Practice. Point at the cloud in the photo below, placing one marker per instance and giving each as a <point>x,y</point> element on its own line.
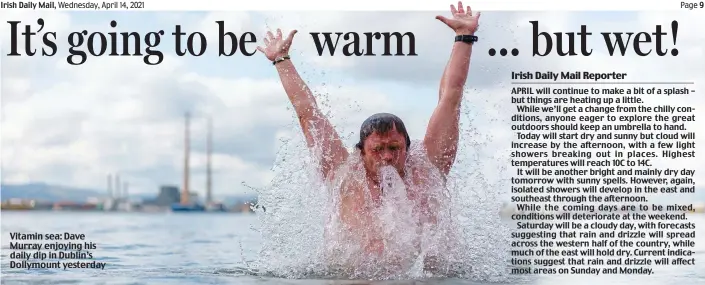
<point>75,124</point>
<point>20,73</point>
<point>116,116</point>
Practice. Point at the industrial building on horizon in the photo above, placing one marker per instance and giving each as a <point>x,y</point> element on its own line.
<point>168,198</point>
<point>187,203</point>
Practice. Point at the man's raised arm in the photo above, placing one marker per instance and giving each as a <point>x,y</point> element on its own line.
<point>319,132</point>
<point>441,140</point>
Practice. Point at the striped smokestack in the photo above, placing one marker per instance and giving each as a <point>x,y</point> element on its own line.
<point>118,186</point>
<point>110,186</point>
<point>185,192</point>
<point>209,194</point>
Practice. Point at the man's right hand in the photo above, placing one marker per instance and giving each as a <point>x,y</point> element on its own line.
<point>463,22</point>
<point>276,46</point>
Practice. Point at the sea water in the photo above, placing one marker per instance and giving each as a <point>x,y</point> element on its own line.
<point>220,248</point>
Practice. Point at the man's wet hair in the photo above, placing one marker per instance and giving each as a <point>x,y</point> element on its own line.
<point>382,123</point>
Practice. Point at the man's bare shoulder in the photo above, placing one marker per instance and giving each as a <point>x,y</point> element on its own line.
<point>422,169</point>
<point>418,155</point>
<point>347,171</point>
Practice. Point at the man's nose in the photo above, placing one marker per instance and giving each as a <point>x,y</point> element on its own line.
<point>387,156</point>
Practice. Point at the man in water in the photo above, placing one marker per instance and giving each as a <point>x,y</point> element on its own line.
<point>384,140</point>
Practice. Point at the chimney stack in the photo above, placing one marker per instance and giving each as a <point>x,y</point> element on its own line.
<point>185,192</point>
<point>209,194</point>
<point>126,185</point>
<point>118,186</point>
<point>110,186</point>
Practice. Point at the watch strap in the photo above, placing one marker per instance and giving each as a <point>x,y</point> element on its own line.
<point>280,59</point>
<point>470,39</point>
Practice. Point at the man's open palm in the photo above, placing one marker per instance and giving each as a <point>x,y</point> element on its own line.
<point>276,46</point>
<point>462,22</point>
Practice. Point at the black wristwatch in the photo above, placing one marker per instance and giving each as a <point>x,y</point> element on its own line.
<point>280,59</point>
<point>470,39</point>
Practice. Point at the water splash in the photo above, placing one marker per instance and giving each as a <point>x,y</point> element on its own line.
<point>303,236</point>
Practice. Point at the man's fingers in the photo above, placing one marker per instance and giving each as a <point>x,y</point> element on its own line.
<point>460,7</point>
<point>270,36</point>
<point>261,49</point>
<point>443,19</point>
<point>266,42</point>
<point>452,9</point>
<point>290,37</point>
<point>279,34</point>
<point>468,10</point>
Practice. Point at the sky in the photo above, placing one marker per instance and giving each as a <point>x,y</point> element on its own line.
<point>73,125</point>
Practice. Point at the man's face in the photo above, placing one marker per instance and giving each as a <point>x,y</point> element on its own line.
<point>384,149</point>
